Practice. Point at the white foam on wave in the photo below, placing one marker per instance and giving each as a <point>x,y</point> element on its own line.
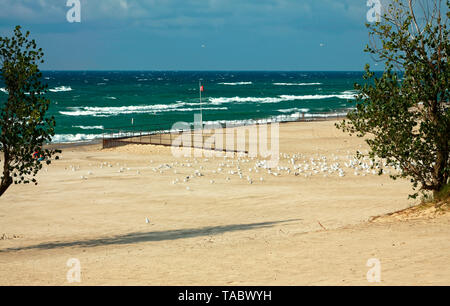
<point>61,89</point>
<point>218,101</point>
<point>111,98</point>
<point>344,95</point>
<point>73,138</point>
<point>70,138</point>
<point>95,127</point>
<point>327,115</point>
<point>236,83</point>
<point>197,109</point>
<point>7,92</point>
<point>296,84</point>
<point>274,119</point>
<point>124,110</point>
<point>291,110</point>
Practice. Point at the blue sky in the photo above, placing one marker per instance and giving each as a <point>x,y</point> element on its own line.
<point>195,34</point>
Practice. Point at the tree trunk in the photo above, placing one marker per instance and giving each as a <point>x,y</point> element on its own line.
<point>6,182</point>
<point>6,177</point>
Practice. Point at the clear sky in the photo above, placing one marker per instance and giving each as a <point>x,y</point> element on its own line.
<point>195,34</point>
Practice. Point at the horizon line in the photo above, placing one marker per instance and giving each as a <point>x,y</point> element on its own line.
<point>188,70</point>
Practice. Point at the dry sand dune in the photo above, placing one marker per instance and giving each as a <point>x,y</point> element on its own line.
<point>284,230</point>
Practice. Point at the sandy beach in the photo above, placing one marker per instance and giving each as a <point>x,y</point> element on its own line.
<point>217,229</point>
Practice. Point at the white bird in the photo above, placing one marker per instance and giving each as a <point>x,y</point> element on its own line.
<point>147,220</point>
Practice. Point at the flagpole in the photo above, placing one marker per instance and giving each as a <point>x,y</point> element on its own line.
<point>201,108</point>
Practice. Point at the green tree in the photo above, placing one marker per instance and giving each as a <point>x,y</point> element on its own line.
<point>404,113</point>
<point>23,125</point>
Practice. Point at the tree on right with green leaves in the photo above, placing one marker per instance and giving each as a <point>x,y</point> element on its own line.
<point>404,113</point>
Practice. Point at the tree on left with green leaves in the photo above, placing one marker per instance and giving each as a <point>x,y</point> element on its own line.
<point>24,127</point>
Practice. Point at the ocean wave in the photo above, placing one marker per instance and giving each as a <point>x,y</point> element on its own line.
<point>61,89</point>
<point>111,98</point>
<point>4,90</point>
<point>344,95</point>
<point>275,119</point>
<point>125,110</point>
<point>73,138</point>
<point>198,109</point>
<point>70,138</point>
<point>218,101</point>
<point>282,98</point>
<point>95,127</point>
<point>296,84</point>
<point>237,83</point>
<point>327,115</point>
<point>350,92</point>
<point>291,110</point>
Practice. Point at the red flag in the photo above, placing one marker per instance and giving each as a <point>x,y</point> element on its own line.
<point>201,88</point>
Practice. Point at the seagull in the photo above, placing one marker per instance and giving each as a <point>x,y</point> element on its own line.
<point>147,220</point>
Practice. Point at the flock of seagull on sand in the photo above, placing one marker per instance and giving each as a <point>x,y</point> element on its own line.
<point>254,170</point>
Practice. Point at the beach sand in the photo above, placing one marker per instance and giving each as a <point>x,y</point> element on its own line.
<point>285,230</point>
